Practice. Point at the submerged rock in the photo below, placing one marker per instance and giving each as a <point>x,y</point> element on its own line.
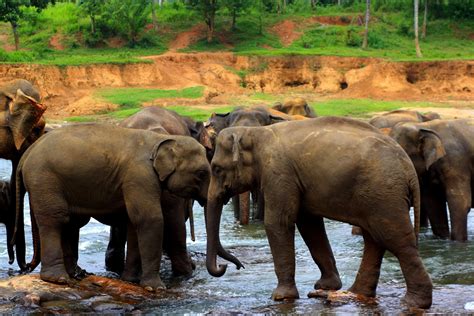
<point>92,294</point>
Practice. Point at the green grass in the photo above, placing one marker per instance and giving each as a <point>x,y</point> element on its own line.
<point>134,97</point>
<point>362,108</point>
<point>197,113</point>
<point>261,96</point>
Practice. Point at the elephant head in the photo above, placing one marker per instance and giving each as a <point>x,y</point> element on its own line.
<point>423,145</point>
<point>184,170</point>
<point>24,118</point>
<point>232,173</point>
<point>296,106</point>
<point>257,116</point>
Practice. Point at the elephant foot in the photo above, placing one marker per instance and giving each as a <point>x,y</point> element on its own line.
<point>153,285</point>
<point>332,282</point>
<point>285,292</point>
<point>418,300</point>
<point>80,273</point>
<point>362,290</point>
<point>54,277</point>
<point>183,267</point>
<point>130,277</point>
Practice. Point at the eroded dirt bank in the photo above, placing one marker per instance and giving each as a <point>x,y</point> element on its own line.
<point>69,90</point>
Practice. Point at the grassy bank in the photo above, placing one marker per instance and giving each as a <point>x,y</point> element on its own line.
<point>131,100</point>
<point>60,35</point>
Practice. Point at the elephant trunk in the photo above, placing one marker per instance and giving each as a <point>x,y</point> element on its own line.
<point>213,216</point>
<point>10,226</point>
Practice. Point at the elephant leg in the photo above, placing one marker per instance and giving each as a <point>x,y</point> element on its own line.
<point>314,235</point>
<point>51,230</point>
<point>433,200</point>
<point>71,248</point>
<point>280,219</point>
<point>393,231</point>
<point>236,207</point>
<point>144,211</point>
<point>369,270</point>
<point>244,203</point>
<point>458,195</point>
<point>115,254</point>
<point>260,207</point>
<point>132,270</point>
<point>174,215</point>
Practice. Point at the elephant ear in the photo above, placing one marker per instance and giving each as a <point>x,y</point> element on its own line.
<point>432,147</point>
<point>164,158</point>
<point>278,106</point>
<point>277,119</point>
<point>24,114</point>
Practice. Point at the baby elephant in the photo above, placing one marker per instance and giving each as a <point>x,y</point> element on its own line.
<point>112,174</point>
<point>330,167</point>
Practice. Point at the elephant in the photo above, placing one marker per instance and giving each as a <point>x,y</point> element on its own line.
<point>113,174</point>
<point>442,152</point>
<point>175,210</point>
<point>21,124</point>
<point>387,121</point>
<point>257,116</point>
<point>296,106</point>
<point>5,199</point>
<point>338,168</point>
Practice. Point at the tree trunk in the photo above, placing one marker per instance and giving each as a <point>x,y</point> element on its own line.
<point>92,23</point>
<point>367,18</point>
<point>15,35</point>
<point>417,42</point>
<point>425,17</point>
<point>153,16</point>
<point>339,2</point>
<point>234,18</point>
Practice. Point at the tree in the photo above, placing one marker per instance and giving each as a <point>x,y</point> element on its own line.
<point>153,14</point>
<point>425,17</point>
<point>130,16</point>
<point>92,8</point>
<point>10,12</point>
<point>236,7</point>
<point>208,9</point>
<point>417,42</point>
<point>366,31</point>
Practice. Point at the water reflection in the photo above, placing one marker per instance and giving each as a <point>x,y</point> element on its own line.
<point>451,266</point>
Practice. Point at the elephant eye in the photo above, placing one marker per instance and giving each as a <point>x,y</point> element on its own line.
<point>201,174</point>
<point>217,171</point>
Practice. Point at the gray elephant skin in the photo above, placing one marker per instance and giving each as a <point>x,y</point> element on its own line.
<point>176,210</point>
<point>112,174</point>
<point>442,152</point>
<point>21,124</point>
<point>340,169</point>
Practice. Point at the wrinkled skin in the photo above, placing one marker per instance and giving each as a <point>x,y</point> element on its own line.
<point>296,106</point>
<point>387,121</point>
<point>112,174</point>
<point>5,200</point>
<point>341,169</point>
<point>258,116</point>
<point>21,124</point>
<point>442,152</point>
<point>175,210</point>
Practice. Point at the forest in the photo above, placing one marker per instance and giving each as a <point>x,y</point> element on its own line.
<point>47,31</point>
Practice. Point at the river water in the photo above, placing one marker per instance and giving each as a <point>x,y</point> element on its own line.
<point>451,266</point>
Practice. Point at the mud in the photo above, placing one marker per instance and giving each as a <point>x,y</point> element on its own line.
<point>70,91</point>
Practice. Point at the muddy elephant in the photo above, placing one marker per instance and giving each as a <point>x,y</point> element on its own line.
<point>386,121</point>
<point>341,169</point>
<point>256,116</point>
<point>295,106</point>
<point>443,154</point>
<point>21,124</point>
<point>112,174</point>
<point>176,210</point>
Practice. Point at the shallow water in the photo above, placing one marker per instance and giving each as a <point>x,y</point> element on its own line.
<point>451,266</point>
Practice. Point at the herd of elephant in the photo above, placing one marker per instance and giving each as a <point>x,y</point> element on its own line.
<point>142,176</point>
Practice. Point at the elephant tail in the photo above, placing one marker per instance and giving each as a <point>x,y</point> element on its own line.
<point>18,238</point>
<point>416,201</point>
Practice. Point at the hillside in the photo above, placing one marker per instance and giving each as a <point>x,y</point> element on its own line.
<point>266,58</point>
